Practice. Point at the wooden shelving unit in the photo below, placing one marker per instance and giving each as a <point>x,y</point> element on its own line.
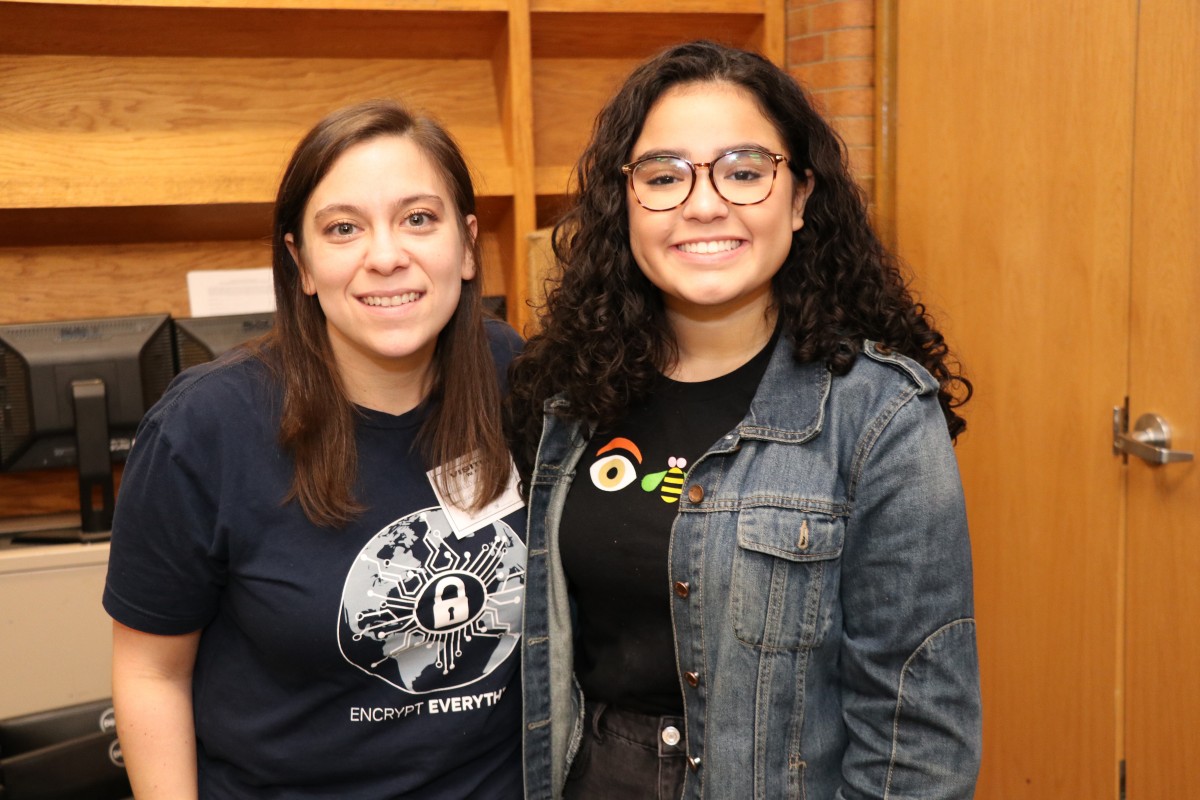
<point>142,140</point>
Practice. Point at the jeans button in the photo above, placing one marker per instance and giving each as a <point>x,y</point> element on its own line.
<point>692,678</point>
<point>670,736</point>
<point>694,763</point>
<point>696,493</point>
<point>682,588</point>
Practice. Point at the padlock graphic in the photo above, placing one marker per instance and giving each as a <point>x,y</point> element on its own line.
<point>453,609</point>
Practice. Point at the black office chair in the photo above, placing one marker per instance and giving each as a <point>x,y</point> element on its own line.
<point>67,753</point>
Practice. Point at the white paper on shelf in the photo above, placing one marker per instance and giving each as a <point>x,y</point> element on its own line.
<point>213,292</point>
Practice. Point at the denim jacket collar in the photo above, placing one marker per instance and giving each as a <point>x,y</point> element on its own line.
<point>792,398</point>
<point>792,416</point>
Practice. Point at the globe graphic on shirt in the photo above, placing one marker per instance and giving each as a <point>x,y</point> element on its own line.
<point>426,608</point>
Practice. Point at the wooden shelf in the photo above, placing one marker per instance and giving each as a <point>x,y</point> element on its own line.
<point>42,227</point>
<point>333,5</point>
<point>196,106</point>
<point>250,31</point>
<point>756,7</point>
<point>177,131</point>
<point>141,140</point>
<point>637,35</point>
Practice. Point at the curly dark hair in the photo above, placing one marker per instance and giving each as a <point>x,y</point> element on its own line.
<point>604,334</point>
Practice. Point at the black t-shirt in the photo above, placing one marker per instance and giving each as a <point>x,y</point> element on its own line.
<point>378,660</point>
<point>616,534</point>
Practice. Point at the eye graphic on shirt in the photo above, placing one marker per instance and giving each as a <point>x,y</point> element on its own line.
<point>670,480</point>
<point>615,471</point>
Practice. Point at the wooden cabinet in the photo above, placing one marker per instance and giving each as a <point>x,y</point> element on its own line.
<point>57,638</point>
<point>142,140</point>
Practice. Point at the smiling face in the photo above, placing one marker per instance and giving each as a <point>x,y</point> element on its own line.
<point>382,249</point>
<point>709,257</point>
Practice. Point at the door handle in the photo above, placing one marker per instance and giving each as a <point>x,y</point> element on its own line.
<point>1150,439</point>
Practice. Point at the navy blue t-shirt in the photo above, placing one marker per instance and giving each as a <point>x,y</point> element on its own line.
<point>378,660</point>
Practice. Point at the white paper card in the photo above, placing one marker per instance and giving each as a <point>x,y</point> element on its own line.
<point>213,292</point>
<point>463,521</point>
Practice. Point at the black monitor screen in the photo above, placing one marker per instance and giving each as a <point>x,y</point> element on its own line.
<point>201,339</point>
<point>72,394</point>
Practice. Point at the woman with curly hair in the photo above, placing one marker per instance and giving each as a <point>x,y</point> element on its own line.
<point>749,570</point>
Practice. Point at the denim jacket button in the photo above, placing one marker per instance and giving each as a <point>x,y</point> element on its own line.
<point>696,493</point>
<point>694,763</point>
<point>693,678</point>
<point>682,588</point>
<point>670,736</point>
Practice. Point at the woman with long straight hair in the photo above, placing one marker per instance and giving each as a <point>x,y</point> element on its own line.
<point>318,557</point>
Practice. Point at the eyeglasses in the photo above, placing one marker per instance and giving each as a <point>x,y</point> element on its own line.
<point>741,177</point>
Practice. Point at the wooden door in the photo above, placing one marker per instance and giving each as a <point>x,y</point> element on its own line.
<point>1048,196</point>
<point>1163,595</point>
<point>1013,191</point>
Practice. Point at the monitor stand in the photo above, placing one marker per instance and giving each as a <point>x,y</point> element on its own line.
<point>92,454</point>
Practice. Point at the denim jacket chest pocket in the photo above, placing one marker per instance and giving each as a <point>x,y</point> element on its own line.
<point>785,577</point>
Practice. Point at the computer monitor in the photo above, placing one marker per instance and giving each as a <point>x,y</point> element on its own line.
<point>200,339</point>
<point>72,394</point>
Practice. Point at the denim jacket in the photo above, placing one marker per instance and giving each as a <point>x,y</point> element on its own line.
<point>820,582</point>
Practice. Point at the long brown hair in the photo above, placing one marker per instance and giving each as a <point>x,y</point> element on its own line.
<point>317,426</point>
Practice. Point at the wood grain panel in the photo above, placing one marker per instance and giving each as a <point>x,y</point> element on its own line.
<point>51,283</point>
<point>38,227</point>
<point>497,250</point>
<point>1013,203</point>
<point>271,28</point>
<point>564,111</point>
<point>1163,593</point>
<point>345,5</point>
<point>642,7</point>
<point>637,36</point>
<point>513,59</point>
<point>31,494</point>
<point>102,131</point>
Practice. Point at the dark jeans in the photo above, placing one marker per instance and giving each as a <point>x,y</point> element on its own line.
<point>625,756</point>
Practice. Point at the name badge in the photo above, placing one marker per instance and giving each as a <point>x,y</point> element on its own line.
<point>465,472</point>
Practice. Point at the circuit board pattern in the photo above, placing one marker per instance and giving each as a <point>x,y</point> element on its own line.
<point>427,609</point>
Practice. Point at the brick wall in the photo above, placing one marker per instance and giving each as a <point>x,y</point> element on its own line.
<point>831,51</point>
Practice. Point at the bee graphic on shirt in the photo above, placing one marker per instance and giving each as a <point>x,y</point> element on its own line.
<point>670,480</point>
<point>613,470</point>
